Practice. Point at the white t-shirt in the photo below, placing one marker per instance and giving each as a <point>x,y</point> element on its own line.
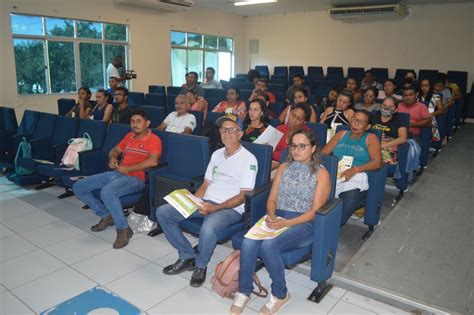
<point>112,72</point>
<point>228,175</point>
<point>175,123</point>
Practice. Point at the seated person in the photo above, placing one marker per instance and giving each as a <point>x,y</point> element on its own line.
<point>232,104</point>
<point>419,115</point>
<point>434,102</point>
<point>103,109</point>
<point>369,80</point>
<point>262,85</point>
<point>439,88</point>
<point>330,100</point>
<point>83,107</point>
<point>122,112</point>
<point>289,205</point>
<point>192,84</point>
<point>351,85</point>
<point>370,94</point>
<point>341,113</point>
<point>364,148</point>
<point>410,80</point>
<point>389,88</point>
<point>298,83</point>
<point>139,149</point>
<point>114,83</point>
<point>299,116</point>
<point>453,87</point>
<point>259,95</point>
<point>393,131</point>
<point>253,76</point>
<point>179,121</point>
<point>210,83</point>
<point>299,96</point>
<point>256,120</point>
<point>196,102</point>
<point>230,173</point>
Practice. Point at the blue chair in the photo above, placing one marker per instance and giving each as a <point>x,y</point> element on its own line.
<point>245,86</point>
<point>427,74</point>
<point>158,89</point>
<point>212,102</point>
<point>321,132</point>
<point>425,147</point>
<point>264,72</point>
<point>335,73</point>
<point>295,70</point>
<point>155,114</point>
<point>380,74</point>
<point>155,99</point>
<point>373,201</point>
<point>136,99</point>
<point>322,91</point>
<point>450,115</point>
<point>8,126</point>
<point>315,72</point>
<point>263,153</point>
<point>280,71</point>
<point>65,105</point>
<point>279,96</point>
<point>97,131</point>
<point>199,121</point>
<point>460,78</point>
<point>225,84</point>
<point>173,90</point>
<point>212,116</point>
<point>326,232</point>
<point>458,111</point>
<point>245,94</point>
<point>276,87</point>
<point>400,76</point>
<point>277,108</point>
<point>356,73</point>
<point>214,93</point>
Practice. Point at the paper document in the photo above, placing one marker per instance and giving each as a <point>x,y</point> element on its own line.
<point>183,201</point>
<point>270,136</point>
<point>344,164</point>
<point>260,231</point>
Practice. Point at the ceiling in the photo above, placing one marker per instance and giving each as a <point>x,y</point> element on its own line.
<point>286,6</point>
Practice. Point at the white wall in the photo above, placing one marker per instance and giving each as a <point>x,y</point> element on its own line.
<point>149,40</point>
<point>430,37</point>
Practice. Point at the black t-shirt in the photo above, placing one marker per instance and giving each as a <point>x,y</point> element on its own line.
<point>389,128</point>
<point>122,116</point>
<point>251,134</point>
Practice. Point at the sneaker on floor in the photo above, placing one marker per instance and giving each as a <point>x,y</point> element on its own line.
<point>103,224</point>
<point>179,266</point>
<point>198,277</point>
<point>123,236</point>
<point>240,301</point>
<point>274,305</point>
<point>358,214</point>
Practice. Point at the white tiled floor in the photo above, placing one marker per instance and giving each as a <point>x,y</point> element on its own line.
<point>49,255</point>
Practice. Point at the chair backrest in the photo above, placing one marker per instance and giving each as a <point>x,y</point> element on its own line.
<point>173,90</point>
<point>159,89</point>
<point>65,128</point>
<point>356,73</point>
<point>380,74</point>
<point>279,96</point>
<point>321,132</point>
<point>8,120</point>
<point>115,133</point>
<point>214,93</point>
<point>400,75</point>
<point>44,126</point>
<point>136,98</point>
<point>245,94</point>
<point>199,121</point>
<point>96,130</point>
<point>315,72</point>
<point>188,156</point>
<point>277,108</point>
<point>28,122</point>
<point>164,143</point>
<point>155,99</point>
<point>263,70</point>
<point>245,86</point>
<point>277,87</point>
<point>280,71</point>
<point>263,154</point>
<point>155,114</point>
<point>335,73</point>
<point>65,105</point>
<point>212,116</point>
<point>322,91</point>
<point>170,98</point>
<point>427,74</point>
<point>460,78</point>
<point>225,84</point>
<point>212,102</point>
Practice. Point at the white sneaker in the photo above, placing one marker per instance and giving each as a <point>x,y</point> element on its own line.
<point>274,305</point>
<point>240,301</point>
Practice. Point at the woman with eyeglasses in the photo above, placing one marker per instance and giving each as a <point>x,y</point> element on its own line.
<point>300,188</point>
<point>256,120</point>
<point>393,131</point>
<point>360,152</point>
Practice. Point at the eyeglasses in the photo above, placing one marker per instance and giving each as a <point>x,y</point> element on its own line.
<point>358,121</point>
<point>230,130</point>
<point>300,146</point>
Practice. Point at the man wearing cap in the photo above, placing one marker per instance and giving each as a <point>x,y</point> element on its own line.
<point>230,173</point>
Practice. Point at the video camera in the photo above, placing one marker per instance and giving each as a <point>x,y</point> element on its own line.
<point>130,74</point>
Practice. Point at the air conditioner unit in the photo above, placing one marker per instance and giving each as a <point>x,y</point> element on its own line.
<point>369,12</point>
<point>161,5</point>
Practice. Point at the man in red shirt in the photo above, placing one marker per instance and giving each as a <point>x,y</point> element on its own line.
<point>139,150</point>
<point>419,114</point>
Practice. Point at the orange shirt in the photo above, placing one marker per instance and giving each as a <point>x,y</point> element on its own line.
<point>135,151</point>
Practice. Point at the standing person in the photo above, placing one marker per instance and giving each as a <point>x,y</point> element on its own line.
<point>114,68</point>
<point>419,114</point>
<point>232,104</point>
<point>256,120</point>
<point>231,172</point>
<point>139,150</point>
<point>370,95</point>
<point>179,121</point>
<point>192,84</point>
<point>83,106</point>
<point>210,83</point>
<point>300,188</point>
<point>122,112</point>
<point>298,83</point>
<point>103,109</point>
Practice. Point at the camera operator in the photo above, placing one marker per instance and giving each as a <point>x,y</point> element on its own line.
<point>113,70</point>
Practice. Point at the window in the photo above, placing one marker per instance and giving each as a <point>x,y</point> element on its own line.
<point>196,52</point>
<point>56,55</point>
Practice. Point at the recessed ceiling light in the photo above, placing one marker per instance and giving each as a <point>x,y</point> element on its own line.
<point>250,2</point>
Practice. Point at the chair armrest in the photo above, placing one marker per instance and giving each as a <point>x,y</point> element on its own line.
<point>375,195</point>
<point>90,162</point>
<point>18,137</point>
<point>58,152</point>
<point>325,238</point>
<point>425,145</point>
<point>256,204</point>
<point>41,148</point>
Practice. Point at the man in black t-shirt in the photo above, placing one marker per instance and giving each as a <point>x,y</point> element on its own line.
<point>122,112</point>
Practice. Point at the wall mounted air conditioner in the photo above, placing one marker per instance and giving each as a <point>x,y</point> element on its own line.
<point>369,12</point>
<point>161,5</point>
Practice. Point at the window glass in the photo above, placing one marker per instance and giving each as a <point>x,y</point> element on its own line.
<point>59,27</point>
<point>27,25</point>
<point>30,66</point>
<point>115,32</point>
<point>92,70</point>
<point>87,29</point>
<point>61,67</point>
<point>178,39</point>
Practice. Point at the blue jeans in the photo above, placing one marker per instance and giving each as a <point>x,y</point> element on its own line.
<point>112,185</point>
<point>351,201</point>
<point>297,236</point>
<point>169,219</point>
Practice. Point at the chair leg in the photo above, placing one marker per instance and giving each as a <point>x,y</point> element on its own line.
<point>48,183</point>
<point>398,198</point>
<point>67,193</point>
<point>367,234</point>
<point>156,231</point>
<point>320,292</point>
